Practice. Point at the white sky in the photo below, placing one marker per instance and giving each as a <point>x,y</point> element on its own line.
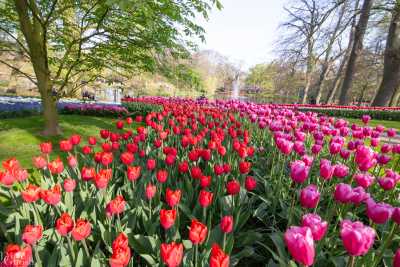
<point>244,30</point>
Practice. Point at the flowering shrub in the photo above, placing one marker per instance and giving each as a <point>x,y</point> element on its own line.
<point>222,183</point>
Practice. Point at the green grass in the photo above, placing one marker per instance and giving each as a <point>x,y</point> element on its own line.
<point>373,123</point>
<point>20,137</point>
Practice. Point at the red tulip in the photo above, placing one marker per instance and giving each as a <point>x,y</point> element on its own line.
<point>205,198</point>
<point>64,224</point>
<point>120,257</point>
<point>82,230</point>
<point>300,243</point>
<point>72,161</point>
<point>32,234</point>
<point>244,167</point>
<point>56,166</point>
<point>197,232</point>
<point>218,258</point>
<point>116,206</point>
<point>205,181</point>
<point>151,164</point>
<point>171,254</point>
<point>88,173</point>
<point>233,187</point>
<point>102,178</point>
<point>46,148</point>
<point>183,167</point>
<point>17,256</point>
<point>357,238</point>
<point>172,197</point>
<point>75,139</point>
<point>119,124</point>
<point>86,150</point>
<point>133,172</point>
<point>150,191</point>
<point>250,183</point>
<point>39,162</point>
<point>31,193</point>
<point>162,176</point>
<point>196,172</point>
<point>127,158</point>
<point>69,185</point>
<point>51,196</point>
<point>65,145</point>
<point>226,224</point>
<point>92,140</point>
<point>106,158</point>
<point>167,218</point>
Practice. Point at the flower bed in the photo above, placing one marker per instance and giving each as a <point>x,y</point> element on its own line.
<point>378,113</point>
<point>11,107</point>
<point>222,183</point>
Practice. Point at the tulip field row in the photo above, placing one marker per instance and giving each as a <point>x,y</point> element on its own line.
<point>208,183</point>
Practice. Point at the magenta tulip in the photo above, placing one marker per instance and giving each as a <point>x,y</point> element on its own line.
<point>316,224</point>
<point>309,196</point>
<point>300,243</point>
<point>299,171</point>
<point>356,237</point>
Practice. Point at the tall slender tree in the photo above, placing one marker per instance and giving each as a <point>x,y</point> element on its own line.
<point>355,51</point>
<point>388,92</point>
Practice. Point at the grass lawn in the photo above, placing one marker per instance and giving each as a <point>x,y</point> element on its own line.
<point>373,123</point>
<point>20,137</point>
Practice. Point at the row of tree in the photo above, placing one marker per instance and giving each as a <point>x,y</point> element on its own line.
<point>340,51</point>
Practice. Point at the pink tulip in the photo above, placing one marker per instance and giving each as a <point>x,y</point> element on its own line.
<point>343,193</point>
<point>356,237</point>
<point>309,196</point>
<point>284,146</point>
<point>396,259</point>
<point>316,224</point>
<point>379,213</point>
<point>387,183</point>
<point>299,171</point>
<point>364,179</point>
<point>300,243</point>
<point>365,158</point>
<point>340,170</point>
<point>326,169</point>
<point>334,148</point>
<point>358,195</point>
<point>365,118</point>
<point>396,215</point>
<point>315,149</point>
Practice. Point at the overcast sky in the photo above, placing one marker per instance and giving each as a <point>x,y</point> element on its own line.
<point>244,30</point>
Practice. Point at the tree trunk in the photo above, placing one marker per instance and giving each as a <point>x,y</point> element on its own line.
<point>327,64</point>
<point>391,71</point>
<point>34,34</point>
<point>395,98</point>
<point>355,51</point>
<point>337,81</point>
<point>309,71</point>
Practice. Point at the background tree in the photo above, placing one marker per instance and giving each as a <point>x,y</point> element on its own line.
<point>388,92</point>
<point>355,51</point>
<point>63,39</point>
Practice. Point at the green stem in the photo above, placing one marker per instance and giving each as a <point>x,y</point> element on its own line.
<point>71,248</point>
<point>224,242</point>
<point>352,261</point>
<point>195,255</point>
<point>37,257</point>
<point>86,248</point>
<point>385,245</point>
